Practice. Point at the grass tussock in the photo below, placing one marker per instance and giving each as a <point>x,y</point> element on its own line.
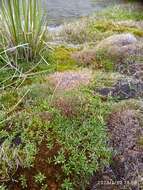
<point>24,28</point>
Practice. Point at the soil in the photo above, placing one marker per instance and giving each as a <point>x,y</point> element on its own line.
<point>53,173</point>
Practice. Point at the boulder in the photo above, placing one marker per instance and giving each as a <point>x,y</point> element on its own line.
<point>131,69</point>
<point>118,40</point>
<point>123,89</point>
<point>121,49</point>
<point>133,51</point>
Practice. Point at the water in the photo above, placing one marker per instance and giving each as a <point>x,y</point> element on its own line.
<point>63,10</point>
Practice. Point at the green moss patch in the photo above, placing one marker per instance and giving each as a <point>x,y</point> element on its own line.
<point>105,26</point>
<point>61,58</point>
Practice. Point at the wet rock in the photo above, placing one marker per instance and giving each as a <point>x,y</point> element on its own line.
<point>123,89</point>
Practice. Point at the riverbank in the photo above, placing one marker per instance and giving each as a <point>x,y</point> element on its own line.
<point>73,120</point>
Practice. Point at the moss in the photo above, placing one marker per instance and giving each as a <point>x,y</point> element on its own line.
<point>62,59</point>
<point>140,141</point>
<point>105,26</point>
<point>8,99</point>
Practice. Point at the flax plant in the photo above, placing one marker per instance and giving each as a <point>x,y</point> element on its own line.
<point>23,25</point>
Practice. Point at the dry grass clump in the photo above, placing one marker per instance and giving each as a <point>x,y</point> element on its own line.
<point>85,57</point>
<point>76,32</point>
<point>69,105</point>
<point>46,116</point>
<point>70,80</point>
